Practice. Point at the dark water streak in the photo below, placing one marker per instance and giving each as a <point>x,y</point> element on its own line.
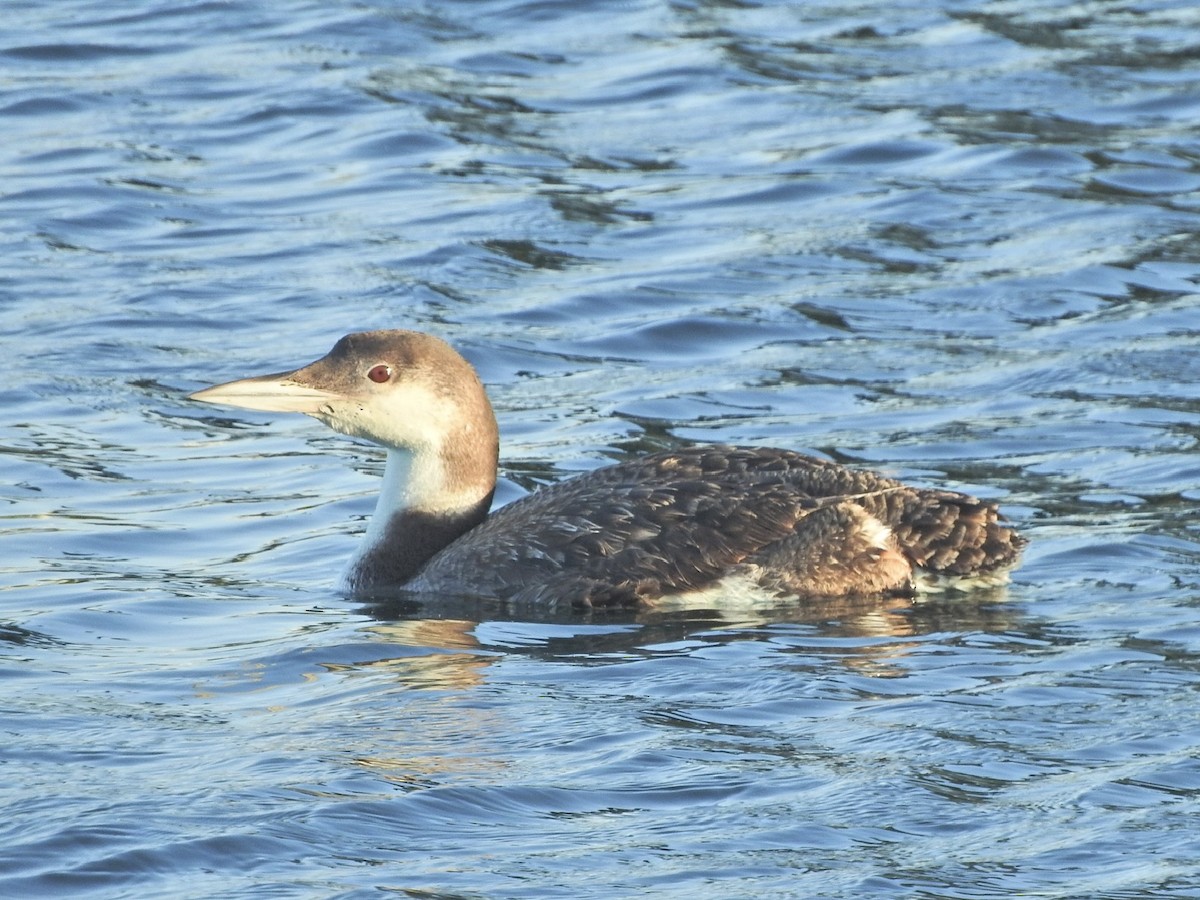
<point>958,244</point>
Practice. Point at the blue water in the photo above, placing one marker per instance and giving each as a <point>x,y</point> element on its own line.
<point>957,244</point>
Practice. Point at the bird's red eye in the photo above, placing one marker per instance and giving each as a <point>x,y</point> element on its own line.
<point>379,374</point>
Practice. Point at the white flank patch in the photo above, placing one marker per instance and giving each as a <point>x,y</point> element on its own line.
<point>877,534</point>
<point>739,591</point>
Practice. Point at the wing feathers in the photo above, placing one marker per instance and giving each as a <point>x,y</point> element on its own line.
<point>680,520</point>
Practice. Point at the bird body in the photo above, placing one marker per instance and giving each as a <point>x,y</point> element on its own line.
<point>630,533</point>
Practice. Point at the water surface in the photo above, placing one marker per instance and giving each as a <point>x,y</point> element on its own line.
<point>959,245</point>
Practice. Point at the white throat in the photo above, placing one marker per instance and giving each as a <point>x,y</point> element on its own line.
<point>412,482</point>
<point>399,492</point>
<point>417,481</point>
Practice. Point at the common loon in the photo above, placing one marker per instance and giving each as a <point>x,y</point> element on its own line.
<point>659,525</point>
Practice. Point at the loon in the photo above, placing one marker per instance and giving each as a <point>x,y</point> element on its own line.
<point>661,525</point>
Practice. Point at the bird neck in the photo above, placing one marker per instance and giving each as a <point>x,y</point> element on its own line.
<point>430,497</point>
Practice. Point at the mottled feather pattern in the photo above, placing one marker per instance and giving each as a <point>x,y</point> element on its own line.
<point>682,519</point>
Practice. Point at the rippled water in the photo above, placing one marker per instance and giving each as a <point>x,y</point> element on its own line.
<point>957,244</point>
